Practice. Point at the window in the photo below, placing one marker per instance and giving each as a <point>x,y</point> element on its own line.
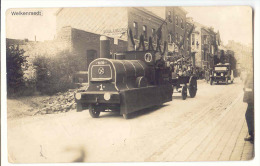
<point>181,38</point>
<point>153,34</point>
<point>177,20</point>
<point>193,39</point>
<point>220,68</point>
<point>172,37</point>
<point>169,38</point>
<point>169,16</point>
<point>205,39</point>
<point>182,27</point>
<point>145,32</point>
<point>135,30</point>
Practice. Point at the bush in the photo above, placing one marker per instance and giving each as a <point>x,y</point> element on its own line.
<point>16,64</point>
<point>54,74</point>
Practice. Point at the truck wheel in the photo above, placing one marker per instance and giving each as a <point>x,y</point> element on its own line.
<point>192,86</point>
<point>126,116</point>
<point>94,111</point>
<point>184,92</point>
<point>79,107</point>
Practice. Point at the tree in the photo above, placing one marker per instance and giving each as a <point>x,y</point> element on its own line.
<point>222,56</point>
<point>16,62</point>
<point>216,59</point>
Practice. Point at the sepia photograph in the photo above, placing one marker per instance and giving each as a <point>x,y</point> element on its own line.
<point>130,84</point>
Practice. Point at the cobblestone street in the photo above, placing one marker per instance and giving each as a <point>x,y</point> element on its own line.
<point>209,127</point>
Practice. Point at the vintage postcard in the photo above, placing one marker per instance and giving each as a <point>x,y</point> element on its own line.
<point>130,84</point>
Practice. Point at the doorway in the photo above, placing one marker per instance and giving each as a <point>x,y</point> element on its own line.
<point>91,55</point>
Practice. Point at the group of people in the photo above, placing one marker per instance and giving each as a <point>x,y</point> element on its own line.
<point>181,67</point>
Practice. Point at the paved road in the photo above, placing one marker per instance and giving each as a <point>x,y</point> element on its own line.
<point>209,127</point>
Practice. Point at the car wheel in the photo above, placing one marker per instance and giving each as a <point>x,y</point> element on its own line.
<point>94,111</point>
<point>192,87</point>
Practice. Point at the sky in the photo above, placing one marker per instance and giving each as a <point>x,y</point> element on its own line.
<point>233,23</point>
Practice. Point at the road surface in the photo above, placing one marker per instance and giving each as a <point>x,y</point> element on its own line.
<point>209,127</point>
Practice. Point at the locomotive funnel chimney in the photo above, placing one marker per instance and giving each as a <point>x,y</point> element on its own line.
<point>104,47</point>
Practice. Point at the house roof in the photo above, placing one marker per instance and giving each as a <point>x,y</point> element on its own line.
<point>151,12</point>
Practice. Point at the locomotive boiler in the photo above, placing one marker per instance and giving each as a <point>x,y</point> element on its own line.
<point>128,82</point>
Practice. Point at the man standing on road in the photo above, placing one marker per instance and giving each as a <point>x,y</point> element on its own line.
<point>249,99</point>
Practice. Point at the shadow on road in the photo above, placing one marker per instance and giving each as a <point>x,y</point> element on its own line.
<point>132,115</point>
<point>109,114</point>
<point>179,97</point>
<point>79,151</point>
<point>145,111</point>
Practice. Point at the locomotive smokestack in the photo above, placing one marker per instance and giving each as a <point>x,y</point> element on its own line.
<point>104,47</point>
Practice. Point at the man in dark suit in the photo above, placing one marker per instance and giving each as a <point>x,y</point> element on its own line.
<point>249,99</point>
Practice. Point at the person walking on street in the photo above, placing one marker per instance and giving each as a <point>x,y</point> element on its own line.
<point>249,99</point>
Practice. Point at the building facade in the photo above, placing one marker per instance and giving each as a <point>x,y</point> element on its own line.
<point>204,45</point>
<point>82,28</point>
<point>113,22</point>
<point>176,29</point>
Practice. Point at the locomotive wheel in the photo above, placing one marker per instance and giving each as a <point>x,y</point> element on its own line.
<point>79,107</point>
<point>184,92</point>
<point>94,111</point>
<point>193,87</point>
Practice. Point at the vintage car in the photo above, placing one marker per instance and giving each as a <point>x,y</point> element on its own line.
<point>221,73</point>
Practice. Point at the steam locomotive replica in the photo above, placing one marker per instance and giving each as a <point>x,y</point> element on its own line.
<point>131,81</point>
<point>128,82</point>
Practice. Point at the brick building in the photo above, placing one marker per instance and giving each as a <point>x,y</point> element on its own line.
<point>176,31</point>
<point>86,45</point>
<point>176,24</point>
<point>205,47</point>
<point>204,44</point>
<point>112,22</point>
<point>82,28</point>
